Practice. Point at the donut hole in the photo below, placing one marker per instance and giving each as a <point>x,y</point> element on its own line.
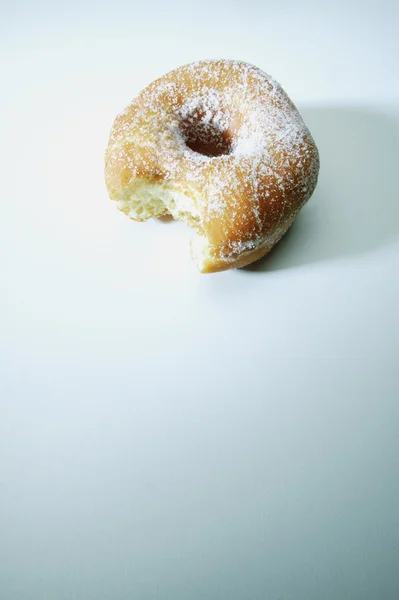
<point>206,134</point>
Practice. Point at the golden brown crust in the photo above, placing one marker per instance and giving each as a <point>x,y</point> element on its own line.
<point>227,135</point>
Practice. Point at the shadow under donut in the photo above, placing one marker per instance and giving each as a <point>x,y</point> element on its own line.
<point>355,207</point>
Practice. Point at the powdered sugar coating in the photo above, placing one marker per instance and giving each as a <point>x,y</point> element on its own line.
<point>226,133</point>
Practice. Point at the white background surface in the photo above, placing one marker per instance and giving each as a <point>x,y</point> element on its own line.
<point>167,435</point>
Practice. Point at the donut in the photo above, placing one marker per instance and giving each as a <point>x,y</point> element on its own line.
<point>219,145</point>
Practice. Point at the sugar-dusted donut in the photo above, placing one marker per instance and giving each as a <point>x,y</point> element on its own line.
<point>217,144</point>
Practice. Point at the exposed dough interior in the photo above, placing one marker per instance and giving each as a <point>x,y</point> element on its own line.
<point>142,200</point>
